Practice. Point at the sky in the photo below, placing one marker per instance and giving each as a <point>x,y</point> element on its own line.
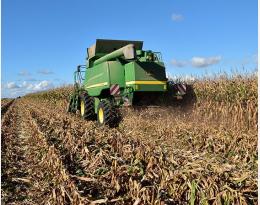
<point>43,41</point>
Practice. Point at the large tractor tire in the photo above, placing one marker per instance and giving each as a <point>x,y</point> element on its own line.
<point>106,114</point>
<point>69,107</point>
<point>72,105</point>
<point>87,110</point>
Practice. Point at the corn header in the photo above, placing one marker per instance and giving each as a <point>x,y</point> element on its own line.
<point>118,73</point>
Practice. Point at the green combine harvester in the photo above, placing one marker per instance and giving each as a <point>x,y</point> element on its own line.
<point>118,73</point>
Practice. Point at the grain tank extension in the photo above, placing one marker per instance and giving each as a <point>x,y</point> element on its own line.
<point>117,73</point>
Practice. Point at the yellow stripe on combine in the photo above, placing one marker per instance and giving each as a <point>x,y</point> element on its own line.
<point>139,82</point>
<point>97,85</point>
<point>146,82</point>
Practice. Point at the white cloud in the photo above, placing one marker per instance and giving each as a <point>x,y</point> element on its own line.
<point>201,62</point>
<point>12,85</point>
<point>43,85</point>
<point>179,63</point>
<point>177,17</point>
<point>27,85</point>
<point>45,72</point>
<point>198,62</point>
<point>12,89</point>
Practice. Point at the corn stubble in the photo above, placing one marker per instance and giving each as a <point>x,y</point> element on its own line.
<point>205,153</point>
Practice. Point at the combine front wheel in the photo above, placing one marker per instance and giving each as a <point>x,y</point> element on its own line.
<point>72,105</point>
<point>69,107</point>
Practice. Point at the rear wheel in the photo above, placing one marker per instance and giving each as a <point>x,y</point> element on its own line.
<point>106,113</point>
<point>87,110</point>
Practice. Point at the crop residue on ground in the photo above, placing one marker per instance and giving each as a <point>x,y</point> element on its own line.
<point>200,154</point>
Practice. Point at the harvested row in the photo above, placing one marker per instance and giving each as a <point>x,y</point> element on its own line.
<point>62,189</point>
<point>87,186</point>
<point>4,101</point>
<point>32,171</point>
<point>5,106</point>
<point>114,166</point>
<point>14,177</point>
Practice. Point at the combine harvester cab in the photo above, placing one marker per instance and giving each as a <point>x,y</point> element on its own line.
<point>118,73</point>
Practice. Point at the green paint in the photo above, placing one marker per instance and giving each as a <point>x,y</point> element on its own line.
<point>112,62</point>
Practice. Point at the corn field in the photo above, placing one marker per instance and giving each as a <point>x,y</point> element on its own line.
<point>204,153</point>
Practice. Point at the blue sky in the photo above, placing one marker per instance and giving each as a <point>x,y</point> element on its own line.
<point>43,41</point>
